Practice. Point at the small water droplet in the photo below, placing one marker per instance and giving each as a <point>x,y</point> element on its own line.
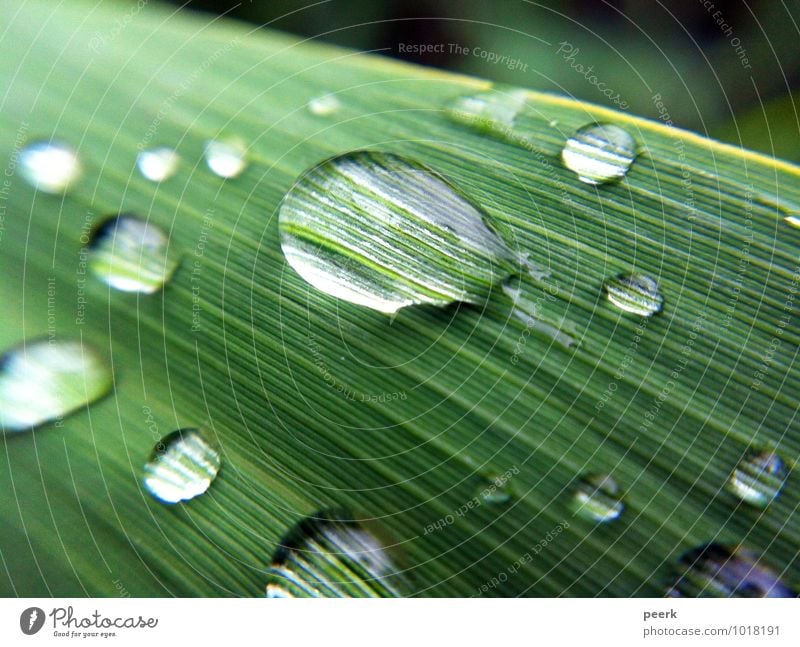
<point>492,110</point>
<point>49,166</point>
<point>759,478</point>
<point>497,491</point>
<point>794,221</point>
<point>385,232</point>
<point>182,466</point>
<point>43,381</point>
<point>332,555</point>
<point>599,153</point>
<point>324,105</point>
<point>158,164</point>
<point>226,157</point>
<point>597,497</point>
<point>131,255</point>
<point>716,571</point>
<point>636,293</point>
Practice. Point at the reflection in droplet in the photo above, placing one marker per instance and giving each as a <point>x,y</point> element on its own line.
<point>324,105</point>
<point>386,232</point>
<point>759,478</point>
<point>497,491</point>
<point>332,555</point>
<point>132,255</point>
<point>49,166</point>
<point>599,153</point>
<point>636,293</point>
<point>597,497</point>
<point>44,381</point>
<point>182,466</point>
<point>226,157</point>
<point>716,571</point>
<point>158,164</point>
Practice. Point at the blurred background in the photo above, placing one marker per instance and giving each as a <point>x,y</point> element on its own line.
<point>725,68</point>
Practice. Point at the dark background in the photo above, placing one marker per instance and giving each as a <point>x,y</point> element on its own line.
<point>637,48</point>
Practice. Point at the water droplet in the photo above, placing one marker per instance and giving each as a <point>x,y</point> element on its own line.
<point>158,164</point>
<point>44,381</point>
<point>636,293</point>
<point>324,105</point>
<point>759,478</point>
<point>332,555</point>
<point>599,153</point>
<point>182,466</point>
<point>597,497</point>
<point>386,232</point>
<point>226,157</point>
<point>794,221</point>
<point>496,491</point>
<point>131,255</point>
<point>49,166</point>
<point>716,571</point>
<point>495,110</point>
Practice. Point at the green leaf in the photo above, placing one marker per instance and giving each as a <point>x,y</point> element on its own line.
<point>317,404</point>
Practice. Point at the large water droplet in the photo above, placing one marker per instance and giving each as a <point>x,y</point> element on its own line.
<point>158,164</point>
<point>716,571</point>
<point>132,255</point>
<point>324,105</point>
<point>597,497</point>
<point>43,381</point>
<point>182,466</point>
<point>226,157</point>
<point>385,232</point>
<point>49,166</point>
<point>759,478</point>
<point>636,293</point>
<point>331,555</point>
<point>599,153</point>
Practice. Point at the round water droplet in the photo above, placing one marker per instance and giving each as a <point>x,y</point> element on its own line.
<point>324,105</point>
<point>182,466</point>
<point>385,232</point>
<point>636,293</point>
<point>759,478</point>
<point>599,153</point>
<point>716,571</point>
<point>226,157</point>
<point>597,497</point>
<point>43,381</point>
<point>497,491</point>
<point>49,166</point>
<point>158,164</point>
<point>132,255</point>
<point>492,110</point>
<point>332,555</point>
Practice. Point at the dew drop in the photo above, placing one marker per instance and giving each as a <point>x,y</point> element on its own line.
<point>598,498</point>
<point>759,478</point>
<point>45,380</point>
<point>49,166</point>
<point>331,555</point>
<point>599,153</point>
<point>158,164</point>
<point>636,293</point>
<point>496,491</point>
<point>324,105</point>
<point>716,571</point>
<point>131,255</point>
<point>794,221</point>
<point>385,232</point>
<point>494,110</point>
<point>226,157</point>
<point>182,466</point>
